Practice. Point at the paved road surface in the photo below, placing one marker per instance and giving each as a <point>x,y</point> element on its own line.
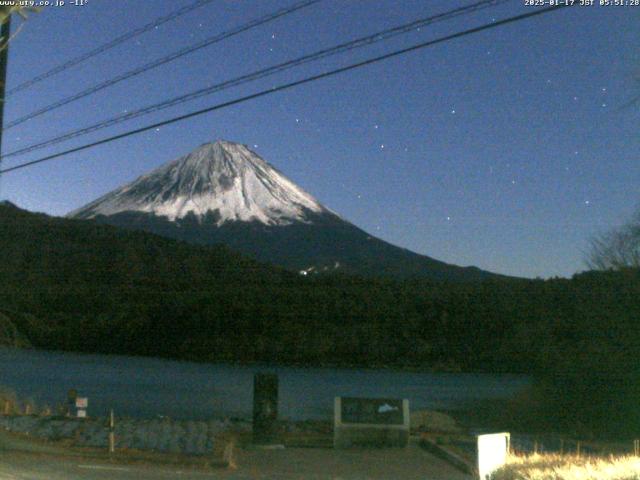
<point>289,464</point>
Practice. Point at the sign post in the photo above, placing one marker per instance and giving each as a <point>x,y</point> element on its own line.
<point>493,450</point>
<point>265,408</point>
<point>76,406</point>
<point>112,435</point>
<point>81,407</point>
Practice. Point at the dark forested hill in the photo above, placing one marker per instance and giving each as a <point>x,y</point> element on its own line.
<point>78,285</point>
<point>97,288</point>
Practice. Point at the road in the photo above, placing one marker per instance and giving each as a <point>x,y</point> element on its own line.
<point>22,459</point>
<point>21,466</point>
<point>312,464</point>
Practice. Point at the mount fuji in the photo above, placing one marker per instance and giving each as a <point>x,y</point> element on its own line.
<point>224,193</point>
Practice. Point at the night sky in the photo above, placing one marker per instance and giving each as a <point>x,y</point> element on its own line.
<point>506,150</point>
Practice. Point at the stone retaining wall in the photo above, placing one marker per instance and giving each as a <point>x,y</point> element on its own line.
<point>162,435</point>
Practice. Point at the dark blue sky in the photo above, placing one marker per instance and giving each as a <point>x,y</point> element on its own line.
<point>506,150</point>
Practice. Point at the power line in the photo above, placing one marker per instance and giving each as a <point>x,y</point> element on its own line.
<point>161,61</point>
<point>109,45</point>
<point>296,83</point>
<point>324,53</point>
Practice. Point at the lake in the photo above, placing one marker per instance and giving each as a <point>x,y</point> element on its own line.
<point>148,387</point>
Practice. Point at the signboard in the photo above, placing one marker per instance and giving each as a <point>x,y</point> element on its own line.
<point>76,406</point>
<point>265,408</point>
<point>379,411</point>
<point>379,422</point>
<point>493,450</point>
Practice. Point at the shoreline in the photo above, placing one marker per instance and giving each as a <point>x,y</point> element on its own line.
<point>382,367</point>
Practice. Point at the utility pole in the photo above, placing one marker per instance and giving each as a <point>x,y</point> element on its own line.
<point>5,33</point>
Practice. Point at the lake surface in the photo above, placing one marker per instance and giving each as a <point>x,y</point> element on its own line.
<point>148,387</point>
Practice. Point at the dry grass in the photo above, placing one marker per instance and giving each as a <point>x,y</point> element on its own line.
<point>558,467</point>
<point>224,448</point>
<point>433,421</point>
<point>12,404</point>
<point>9,404</point>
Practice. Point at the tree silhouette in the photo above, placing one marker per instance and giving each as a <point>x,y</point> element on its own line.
<point>618,248</point>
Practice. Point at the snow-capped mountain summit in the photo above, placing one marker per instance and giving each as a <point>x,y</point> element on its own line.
<point>223,179</point>
<point>224,193</point>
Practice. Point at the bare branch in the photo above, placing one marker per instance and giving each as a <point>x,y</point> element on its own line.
<point>617,249</point>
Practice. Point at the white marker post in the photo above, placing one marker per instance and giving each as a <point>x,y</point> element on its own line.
<point>112,434</point>
<point>493,450</point>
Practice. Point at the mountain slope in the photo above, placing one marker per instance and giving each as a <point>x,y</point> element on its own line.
<point>225,193</point>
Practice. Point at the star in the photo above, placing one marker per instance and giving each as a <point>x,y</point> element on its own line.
<point>453,112</point>
<point>382,147</point>
<point>587,202</point>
